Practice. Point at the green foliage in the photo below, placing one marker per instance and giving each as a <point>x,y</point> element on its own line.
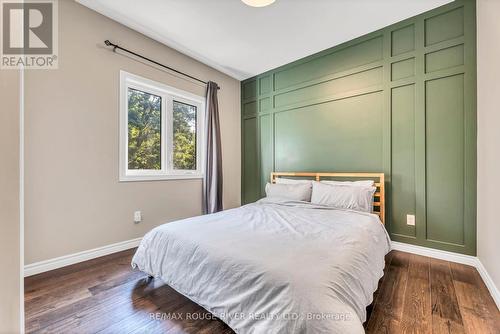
<point>184,156</point>
<point>144,132</point>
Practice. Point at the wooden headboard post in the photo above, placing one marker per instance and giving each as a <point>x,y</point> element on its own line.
<point>378,178</point>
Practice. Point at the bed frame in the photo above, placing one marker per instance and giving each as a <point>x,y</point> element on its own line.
<point>379,196</point>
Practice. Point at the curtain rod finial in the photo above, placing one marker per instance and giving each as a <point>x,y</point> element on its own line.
<point>107,42</point>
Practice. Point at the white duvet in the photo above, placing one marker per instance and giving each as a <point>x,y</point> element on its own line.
<point>274,266</point>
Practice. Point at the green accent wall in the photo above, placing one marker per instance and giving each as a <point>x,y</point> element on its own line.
<point>401,100</point>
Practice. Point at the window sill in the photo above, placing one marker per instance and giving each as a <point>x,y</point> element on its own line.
<point>139,178</point>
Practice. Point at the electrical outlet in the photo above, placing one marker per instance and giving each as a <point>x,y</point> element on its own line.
<point>137,217</point>
<point>410,220</point>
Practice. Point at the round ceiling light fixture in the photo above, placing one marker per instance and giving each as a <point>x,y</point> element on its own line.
<point>258,3</point>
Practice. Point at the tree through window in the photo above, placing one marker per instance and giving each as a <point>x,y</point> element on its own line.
<point>161,131</point>
<point>184,157</point>
<point>144,130</point>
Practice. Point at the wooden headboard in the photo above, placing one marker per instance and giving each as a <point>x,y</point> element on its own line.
<point>379,197</point>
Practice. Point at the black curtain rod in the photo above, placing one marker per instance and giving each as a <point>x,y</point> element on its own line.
<point>115,46</point>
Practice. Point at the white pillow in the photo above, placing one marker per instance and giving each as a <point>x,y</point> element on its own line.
<point>296,192</point>
<point>363,183</point>
<point>343,197</point>
<point>281,180</point>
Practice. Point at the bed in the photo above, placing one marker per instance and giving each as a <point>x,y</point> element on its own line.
<point>276,265</point>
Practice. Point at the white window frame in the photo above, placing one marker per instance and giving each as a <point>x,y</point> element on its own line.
<point>168,95</point>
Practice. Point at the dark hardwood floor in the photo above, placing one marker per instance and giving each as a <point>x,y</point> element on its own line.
<point>416,295</point>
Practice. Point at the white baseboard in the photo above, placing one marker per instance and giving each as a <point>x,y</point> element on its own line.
<point>435,253</point>
<point>51,264</point>
<point>453,257</point>
<point>66,260</point>
<point>489,283</point>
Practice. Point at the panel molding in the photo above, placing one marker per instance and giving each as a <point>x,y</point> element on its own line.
<point>330,77</point>
<point>333,98</point>
<point>316,83</point>
<point>370,38</point>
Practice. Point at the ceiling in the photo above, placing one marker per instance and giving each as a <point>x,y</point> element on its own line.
<point>244,41</point>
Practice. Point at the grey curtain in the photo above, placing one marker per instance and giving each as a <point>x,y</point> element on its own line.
<point>212,182</point>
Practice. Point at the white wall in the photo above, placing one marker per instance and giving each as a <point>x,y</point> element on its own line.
<point>10,262</point>
<point>488,141</point>
<point>74,201</point>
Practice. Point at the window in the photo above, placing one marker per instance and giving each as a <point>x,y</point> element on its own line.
<point>161,131</point>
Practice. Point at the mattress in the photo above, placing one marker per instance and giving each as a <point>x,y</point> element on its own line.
<point>274,266</point>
